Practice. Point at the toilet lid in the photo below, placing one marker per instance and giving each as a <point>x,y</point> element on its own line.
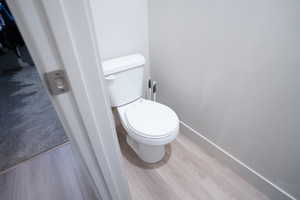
<point>151,119</point>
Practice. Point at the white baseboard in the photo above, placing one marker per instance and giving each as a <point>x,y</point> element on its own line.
<point>253,177</point>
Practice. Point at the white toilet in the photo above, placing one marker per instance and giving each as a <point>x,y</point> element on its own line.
<point>150,125</point>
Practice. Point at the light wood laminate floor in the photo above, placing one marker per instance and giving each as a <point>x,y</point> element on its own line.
<point>54,175</point>
<point>186,173</point>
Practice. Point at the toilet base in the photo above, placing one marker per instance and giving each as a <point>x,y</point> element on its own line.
<point>148,153</point>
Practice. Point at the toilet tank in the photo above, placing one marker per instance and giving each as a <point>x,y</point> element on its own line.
<point>124,78</point>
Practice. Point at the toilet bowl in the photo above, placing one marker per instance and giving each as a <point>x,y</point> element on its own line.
<point>150,125</point>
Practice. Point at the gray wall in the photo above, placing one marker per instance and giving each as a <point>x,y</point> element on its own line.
<point>231,69</point>
<point>122,27</point>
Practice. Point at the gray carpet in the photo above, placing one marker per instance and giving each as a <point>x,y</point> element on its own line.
<point>28,123</point>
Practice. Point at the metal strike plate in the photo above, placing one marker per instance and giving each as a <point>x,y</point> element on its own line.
<point>57,82</point>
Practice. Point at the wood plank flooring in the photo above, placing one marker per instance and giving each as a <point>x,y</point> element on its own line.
<point>186,172</point>
<point>54,175</point>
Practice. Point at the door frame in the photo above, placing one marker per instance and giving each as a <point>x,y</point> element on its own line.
<point>60,34</point>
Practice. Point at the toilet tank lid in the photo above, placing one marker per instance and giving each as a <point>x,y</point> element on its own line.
<point>124,63</point>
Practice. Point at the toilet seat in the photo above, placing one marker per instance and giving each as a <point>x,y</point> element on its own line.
<point>151,119</point>
<point>149,122</point>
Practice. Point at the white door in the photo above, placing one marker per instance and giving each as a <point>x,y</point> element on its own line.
<point>60,35</point>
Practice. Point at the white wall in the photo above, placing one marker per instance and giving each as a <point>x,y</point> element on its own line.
<point>122,27</point>
<point>231,71</point>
